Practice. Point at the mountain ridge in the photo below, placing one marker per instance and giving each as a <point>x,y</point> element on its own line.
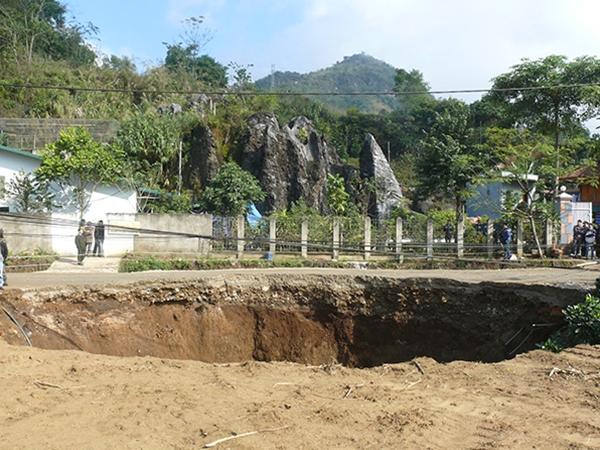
<point>359,73</point>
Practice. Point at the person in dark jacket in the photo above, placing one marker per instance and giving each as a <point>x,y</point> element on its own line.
<point>3,257</point>
<point>448,231</point>
<point>99,239</point>
<point>590,241</point>
<point>505,239</point>
<point>80,244</point>
<point>89,238</point>
<point>578,235</point>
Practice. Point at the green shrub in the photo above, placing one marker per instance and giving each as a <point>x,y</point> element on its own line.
<point>583,326</point>
<point>584,321</point>
<point>182,264</point>
<point>30,261</point>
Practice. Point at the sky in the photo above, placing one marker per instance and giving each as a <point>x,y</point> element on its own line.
<point>455,44</point>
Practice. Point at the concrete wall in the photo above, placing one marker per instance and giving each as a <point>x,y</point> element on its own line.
<point>27,231</point>
<point>150,234</point>
<point>168,233</point>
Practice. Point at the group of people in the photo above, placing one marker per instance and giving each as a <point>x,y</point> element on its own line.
<point>586,240</point>
<point>89,240</point>
<point>505,237</point>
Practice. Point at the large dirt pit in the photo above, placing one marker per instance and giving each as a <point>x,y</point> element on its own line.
<point>295,362</point>
<point>357,322</point>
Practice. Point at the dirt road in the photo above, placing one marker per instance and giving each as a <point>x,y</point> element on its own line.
<point>103,271</point>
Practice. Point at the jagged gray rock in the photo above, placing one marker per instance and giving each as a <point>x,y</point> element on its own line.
<point>203,163</point>
<point>374,166</point>
<point>290,163</point>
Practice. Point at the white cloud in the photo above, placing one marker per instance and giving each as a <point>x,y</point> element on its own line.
<point>179,10</point>
<point>460,44</point>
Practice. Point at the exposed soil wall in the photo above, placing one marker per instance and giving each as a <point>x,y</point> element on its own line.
<point>356,321</point>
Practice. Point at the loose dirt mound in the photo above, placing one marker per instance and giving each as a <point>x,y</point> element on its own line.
<point>75,400</point>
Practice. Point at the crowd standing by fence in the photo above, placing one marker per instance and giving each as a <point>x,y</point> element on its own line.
<point>333,237</point>
<point>394,239</point>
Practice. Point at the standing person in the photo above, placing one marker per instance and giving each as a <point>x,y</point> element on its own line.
<point>99,239</point>
<point>505,238</point>
<point>448,231</point>
<point>590,241</point>
<point>578,235</point>
<point>3,257</point>
<point>89,238</point>
<point>80,244</point>
<point>597,244</point>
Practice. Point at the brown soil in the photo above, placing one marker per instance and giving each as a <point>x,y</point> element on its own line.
<point>304,361</point>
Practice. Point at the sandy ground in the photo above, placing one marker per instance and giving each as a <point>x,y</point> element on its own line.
<point>75,400</point>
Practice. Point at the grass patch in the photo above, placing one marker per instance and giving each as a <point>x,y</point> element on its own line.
<point>30,261</point>
<point>133,263</point>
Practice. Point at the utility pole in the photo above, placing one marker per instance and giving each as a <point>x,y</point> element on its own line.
<point>179,179</point>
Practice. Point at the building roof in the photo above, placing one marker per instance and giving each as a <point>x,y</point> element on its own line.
<point>582,172</point>
<point>19,152</point>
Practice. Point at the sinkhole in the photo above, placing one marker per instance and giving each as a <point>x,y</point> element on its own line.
<point>309,319</point>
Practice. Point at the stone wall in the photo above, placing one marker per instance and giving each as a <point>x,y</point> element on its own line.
<point>31,135</point>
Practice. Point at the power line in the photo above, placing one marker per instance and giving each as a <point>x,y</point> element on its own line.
<point>292,94</point>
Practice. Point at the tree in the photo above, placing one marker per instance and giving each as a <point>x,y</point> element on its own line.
<point>411,89</point>
<point>151,145</point>
<point>29,194</point>
<point>450,162</point>
<point>552,96</point>
<point>525,159</point>
<point>28,27</point>
<point>184,57</point>
<point>231,191</point>
<point>202,68</point>
<point>337,197</point>
<point>78,165</point>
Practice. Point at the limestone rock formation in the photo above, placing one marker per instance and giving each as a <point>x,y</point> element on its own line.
<point>374,166</point>
<point>203,164</point>
<point>291,163</point>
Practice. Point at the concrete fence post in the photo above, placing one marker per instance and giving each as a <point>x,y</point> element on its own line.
<point>429,238</point>
<point>336,238</point>
<point>549,241</point>
<point>367,254</point>
<point>304,237</point>
<point>240,237</point>
<point>272,236</point>
<point>519,238</point>
<point>490,238</point>
<point>460,235</point>
<point>399,254</point>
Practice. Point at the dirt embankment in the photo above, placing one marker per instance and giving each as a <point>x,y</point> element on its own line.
<point>356,321</point>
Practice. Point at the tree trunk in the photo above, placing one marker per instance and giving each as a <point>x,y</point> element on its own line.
<point>535,236</point>
<point>556,150</point>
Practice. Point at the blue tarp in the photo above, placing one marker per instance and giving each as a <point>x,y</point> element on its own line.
<point>253,215</point>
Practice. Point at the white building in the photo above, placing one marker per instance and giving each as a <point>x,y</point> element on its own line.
<point>115,203</point>
<point>11,162</point>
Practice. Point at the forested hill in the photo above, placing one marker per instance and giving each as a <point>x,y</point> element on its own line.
<point>357,73</point>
